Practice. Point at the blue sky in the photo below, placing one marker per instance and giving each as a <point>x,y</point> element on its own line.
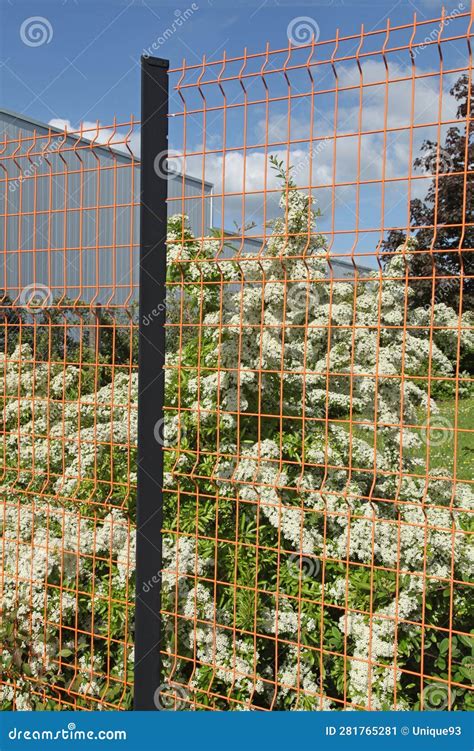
<point>88,70</point>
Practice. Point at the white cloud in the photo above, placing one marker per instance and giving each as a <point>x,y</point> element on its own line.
<point>116,138</point>
<point>243,176</point>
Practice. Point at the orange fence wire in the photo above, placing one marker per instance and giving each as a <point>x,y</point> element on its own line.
<point>318,430</point>
<point>319,424</point>
<point>68,274</point>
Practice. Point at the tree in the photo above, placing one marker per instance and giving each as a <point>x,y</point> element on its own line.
<point>443,222</point>
<point>291,422</point>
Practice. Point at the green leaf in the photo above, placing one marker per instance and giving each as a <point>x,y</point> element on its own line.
<point>444,646</point>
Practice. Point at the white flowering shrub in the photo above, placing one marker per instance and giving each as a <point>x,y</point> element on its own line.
<point>309,552</point>
<point>314,559</point>
<point>66,532</point>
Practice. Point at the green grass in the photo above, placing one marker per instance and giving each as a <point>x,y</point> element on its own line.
<point>444,439</point>
<point>444,434</point>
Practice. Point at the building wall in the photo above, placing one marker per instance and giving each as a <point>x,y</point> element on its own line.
<point>69,216</point>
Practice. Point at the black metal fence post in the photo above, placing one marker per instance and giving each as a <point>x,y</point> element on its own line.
<point>151,357</point>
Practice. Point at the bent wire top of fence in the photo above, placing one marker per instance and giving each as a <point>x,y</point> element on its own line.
<point>69,279</point>
<point>69,215</point>
<point>318,409</point>
<point>318,415</point>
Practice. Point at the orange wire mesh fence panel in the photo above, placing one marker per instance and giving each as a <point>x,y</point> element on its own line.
<point>318,426</point>
<point>68,395</point>
<point>319,405</point>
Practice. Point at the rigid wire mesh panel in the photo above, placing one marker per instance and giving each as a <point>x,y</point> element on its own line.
<point>68,274</point>
<point>319,405</point>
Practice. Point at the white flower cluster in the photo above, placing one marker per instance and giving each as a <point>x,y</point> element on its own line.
<point>296,399</point>
<point>59,436</point>
<point>281,339</point>
<point>53,547</point>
